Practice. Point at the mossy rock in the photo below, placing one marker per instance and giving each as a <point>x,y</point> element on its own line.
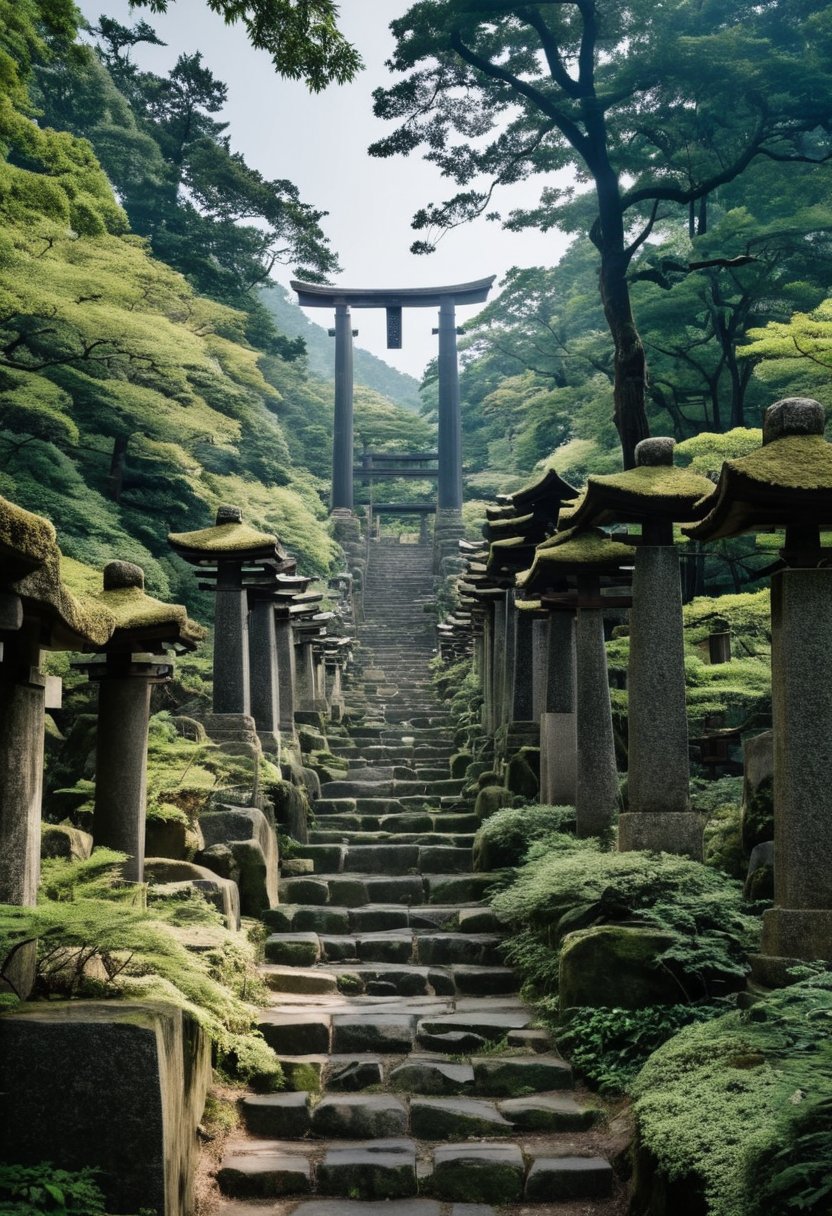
<point>460,763</point>
<point>490,799</point>
<point>758,790</point>
<point>291,809</point>
<point>615,966</point>
<point>326,773</point>
<point>311,740</point>
<point>488,777</point>
<point>521,778</point>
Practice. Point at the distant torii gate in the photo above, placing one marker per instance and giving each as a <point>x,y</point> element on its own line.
<point>342,299</point>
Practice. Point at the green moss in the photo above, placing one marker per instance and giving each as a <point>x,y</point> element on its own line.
<point>25,535</point>
<point>222,538</point>
<point>799,462</point>
<point>722,1099</point>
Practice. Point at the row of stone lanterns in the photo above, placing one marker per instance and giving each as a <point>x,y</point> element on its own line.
<point>265,617</point>
<point>537,631</point>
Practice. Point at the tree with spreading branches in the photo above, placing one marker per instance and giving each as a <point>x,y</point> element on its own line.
<point>632,114</point>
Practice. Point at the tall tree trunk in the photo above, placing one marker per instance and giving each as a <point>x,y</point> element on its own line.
<point>630,367</point>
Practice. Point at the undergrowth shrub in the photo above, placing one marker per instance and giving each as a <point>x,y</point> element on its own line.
<point>741,1106</point>
<point>43,1190</point>
<point>508,834</point>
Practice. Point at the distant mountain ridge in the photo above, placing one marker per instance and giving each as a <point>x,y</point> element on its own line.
<point>369,370</point>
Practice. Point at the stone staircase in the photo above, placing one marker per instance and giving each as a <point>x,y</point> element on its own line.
<point>418,1082</point>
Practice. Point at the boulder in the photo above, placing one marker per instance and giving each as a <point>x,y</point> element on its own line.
<point>615,966</point>
<point>759,881</point>
<point>521,778</point>
<point>60,840</point>
<point>171,838</point>
<point>252,843</point>
<point>171,877</point>
<point>460,762</point>
<point>490,799</point>
<point>291,810</point>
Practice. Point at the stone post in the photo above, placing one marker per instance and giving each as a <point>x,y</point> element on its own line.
<point>540,673</point>
<point>800,924</point>
<point>449,494</point>
<point>658,783</point>
<point>121,762</point>
<point>265,693</point>
<point>342,443</point>
<point>597,792</point>
<point>558,725</point>
<point>499,663</point>
<point>232,689</point>
<point>487,718</point>
<point>285,646</point>
<point>522,667</point>
<point>21,746</point>
<point>305,675</point>
<point>507,691</point>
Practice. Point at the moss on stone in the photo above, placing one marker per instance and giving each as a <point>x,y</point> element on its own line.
<point>25,537</point>
<point>77,620</point>
<point>575,550</point>
<point>222,539</point>
<point>653,482</point>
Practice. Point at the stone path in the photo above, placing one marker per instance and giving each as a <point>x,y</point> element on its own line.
<point>415,1070</point>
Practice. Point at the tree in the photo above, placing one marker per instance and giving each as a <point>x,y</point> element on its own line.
<point>302,36</point>
<point>653,107</point>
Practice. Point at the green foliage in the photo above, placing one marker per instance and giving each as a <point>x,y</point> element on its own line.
<point>248,1060</point>
<point>568,883</point>
<point>38,1190</point>
<point>510,832</point>
<point>608,1047</point>
<point>740,1104</point>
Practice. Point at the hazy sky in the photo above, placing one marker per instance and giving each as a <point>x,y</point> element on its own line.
<point>320,143</point>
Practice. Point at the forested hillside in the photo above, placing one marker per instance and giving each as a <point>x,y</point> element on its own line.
<point>141,381</point>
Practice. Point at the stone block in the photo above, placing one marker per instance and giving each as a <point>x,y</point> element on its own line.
<point>451,1118</point>
<point>615,965</point>
<point>383,1169</point>
<point>60,840</point>
<point>116,1085</point>
<point>253,844</point>
<point>361,1117</point>
<point>427,1076</point>
<point>167,876</point>
<point>515,1075</point>
<point>277,1116</point>
<point>555,1179</point>
<point>478,1173</point>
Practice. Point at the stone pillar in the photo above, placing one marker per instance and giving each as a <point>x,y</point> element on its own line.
<point>499,664</point>
<point>522,667</point>
<point>321,701</point>
<point>449,494</point>
<point>424,537</point>
<point>658,783</point>
<point>21,755</point>
<point>342,442</point>
<point>285,645</point>
<point>558,725</point>
<point>800,924</point>
<point>232,690</point>
<point>597,793</point>
<point>305,676</point>
<point>265,694</point>
<point>487,717</point>
<point>476,656</point>
<point>540,673</point>
<point>121,763</point>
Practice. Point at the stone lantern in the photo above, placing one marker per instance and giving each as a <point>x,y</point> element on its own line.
<point>787,484</point>
<point>37,613</point>
<point>654,494</point>
<point>135,657</point>
<point>579,561</point>
<point>231,557</point>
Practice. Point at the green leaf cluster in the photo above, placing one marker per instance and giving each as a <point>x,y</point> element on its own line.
<point>739,1107</point>
<point>44,1190</point>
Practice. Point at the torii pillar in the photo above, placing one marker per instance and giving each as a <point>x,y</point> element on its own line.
<point>394,300</point>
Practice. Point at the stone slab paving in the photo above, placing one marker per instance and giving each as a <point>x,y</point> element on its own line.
<point>418,1083</point>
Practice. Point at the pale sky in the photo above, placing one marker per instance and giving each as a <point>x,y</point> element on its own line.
<point>320,143</point>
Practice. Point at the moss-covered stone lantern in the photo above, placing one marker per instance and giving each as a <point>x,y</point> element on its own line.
<point>138,654</point>
<point>566,576</point>
<point>37,613</point>
<point>655,495</point>
<point>231,557</point>
<point>787,484</point>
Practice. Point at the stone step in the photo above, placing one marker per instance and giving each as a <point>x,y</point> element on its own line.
<point>390,857</point>
<point>376,918</point>
<point>390,1032</point>
<point>356,890</point>
<point>351,836</point>
<point>385,1169</point>
<point>343,815</point>
<point>356,1116</point>
<point>424,947</point>
<point>389,979</point>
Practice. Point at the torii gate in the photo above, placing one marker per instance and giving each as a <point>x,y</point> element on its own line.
<point>343,299</point>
